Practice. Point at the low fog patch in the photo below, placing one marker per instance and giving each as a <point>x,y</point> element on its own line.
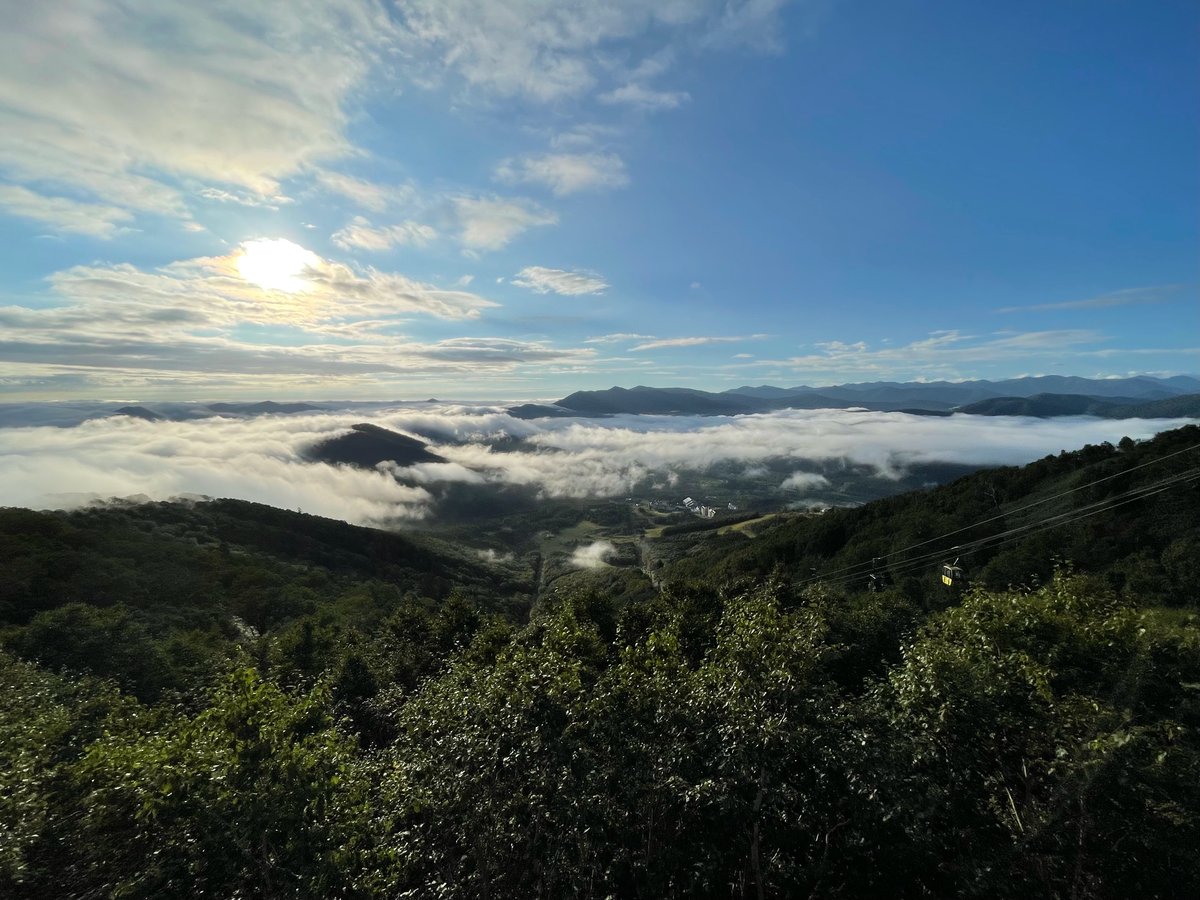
<point>594,556</point>
<point>804,482</point>
<point>492,556</point>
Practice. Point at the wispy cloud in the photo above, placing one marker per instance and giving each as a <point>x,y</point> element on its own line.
<point>241,198</point>
<point>545,52</point>
<point>753,24</point>
<point>490,223</point>
<point>641,97</point>
<point>1128,297</point>
<point>362,235</point>
<point>117,108</point>
<point>565,173</point>
<point>63,214</point>
<point>583,136</point>
<point>950,354</point>
<point>559,281</point>
<point>661,343</point>
<point>367,194</point>
<point>617,338</point>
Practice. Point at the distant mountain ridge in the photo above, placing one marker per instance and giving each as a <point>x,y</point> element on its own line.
<point>265,406</point>
<point>1104,397</point>
<point>1048,395</point>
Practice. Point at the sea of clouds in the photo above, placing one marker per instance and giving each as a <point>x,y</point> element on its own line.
<point>261,458</point>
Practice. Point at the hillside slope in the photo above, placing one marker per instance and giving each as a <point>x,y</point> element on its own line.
<point>1048,405</point>
<point>1130,512</point>
<point>186,581</point>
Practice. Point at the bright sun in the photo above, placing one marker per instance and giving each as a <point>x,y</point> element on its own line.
<point>276,265</point>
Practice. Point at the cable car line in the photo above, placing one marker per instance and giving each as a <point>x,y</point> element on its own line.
<point>924,562</point>
<point>1014,534</point>
<point>1005,514</point>
<point>1001,516</point>
<point>1050,522</point>
<point>1020,531</point>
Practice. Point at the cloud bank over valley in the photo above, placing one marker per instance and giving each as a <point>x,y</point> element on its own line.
<point>265,458</point>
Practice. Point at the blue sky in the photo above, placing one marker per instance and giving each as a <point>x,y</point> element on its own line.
<point>368,198</point>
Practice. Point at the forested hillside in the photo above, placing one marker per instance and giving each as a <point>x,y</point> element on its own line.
<point>223,699</point>
<point>1127,513</point>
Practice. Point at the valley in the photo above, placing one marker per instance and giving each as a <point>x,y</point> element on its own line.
<point>477,695</point>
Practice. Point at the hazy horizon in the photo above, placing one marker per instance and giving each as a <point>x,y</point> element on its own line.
<point>249,395</point>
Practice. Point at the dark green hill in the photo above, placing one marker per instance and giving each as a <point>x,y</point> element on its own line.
<point>138,412</point>
<point>540,411</point>
<point>643,400</point>
<point>181,555</point>
<point>366,446</point>
<point>185,579</point>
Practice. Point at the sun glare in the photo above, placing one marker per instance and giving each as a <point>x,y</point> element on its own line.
<point>276,265</point>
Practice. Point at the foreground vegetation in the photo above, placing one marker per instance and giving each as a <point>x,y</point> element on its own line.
<point>197,707</point>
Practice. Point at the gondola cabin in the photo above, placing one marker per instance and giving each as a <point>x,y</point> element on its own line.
<point>879,579</point>
<point>953,576</point>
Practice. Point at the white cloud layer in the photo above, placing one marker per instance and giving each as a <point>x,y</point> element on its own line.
<point>609,457</point>
<point>54,467</point>
<point>261,458</point>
